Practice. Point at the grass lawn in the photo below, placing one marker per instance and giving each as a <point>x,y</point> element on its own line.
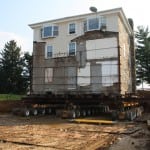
<point>5,97</point>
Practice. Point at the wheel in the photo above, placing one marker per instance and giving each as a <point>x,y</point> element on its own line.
<point>49,111</point>
<point>26,112</point>
<point>93,112</point>
<point>83,113</point>
<point>43,111</point>
<point>73,114</point>
<point>78,114</point>
<point>89,112</point>
<point>35,112</point>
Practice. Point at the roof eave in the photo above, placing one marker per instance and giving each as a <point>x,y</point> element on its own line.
<point>71,18</point>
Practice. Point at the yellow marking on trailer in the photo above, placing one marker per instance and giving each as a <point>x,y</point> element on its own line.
<point>94,121</point>
<point>125,104</point>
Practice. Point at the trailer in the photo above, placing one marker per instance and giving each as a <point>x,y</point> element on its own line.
<point>80,106</point>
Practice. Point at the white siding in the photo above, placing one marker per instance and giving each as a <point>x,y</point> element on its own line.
<point>37,35</point>
<point>101,48</point>
<point>112,23</point>
<point>60,42</point>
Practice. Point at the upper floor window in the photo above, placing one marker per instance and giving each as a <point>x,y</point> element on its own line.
<point>103,21</point>
<point>49,31</point>
<point>94,23</point>
<point>55,30</point>
<point>72,49</point>
<point>72,28</point>
<point>49,51</point>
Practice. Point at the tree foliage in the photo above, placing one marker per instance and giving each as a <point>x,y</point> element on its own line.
<point>12,65</point>
<point>143,55</point>
<point>28,69</point>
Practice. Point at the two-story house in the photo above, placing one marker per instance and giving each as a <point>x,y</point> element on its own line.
<point>89,53</point>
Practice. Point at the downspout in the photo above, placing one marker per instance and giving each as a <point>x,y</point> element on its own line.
<point>119,65</point>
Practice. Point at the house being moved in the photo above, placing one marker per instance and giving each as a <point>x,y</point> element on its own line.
<point>87,53</point>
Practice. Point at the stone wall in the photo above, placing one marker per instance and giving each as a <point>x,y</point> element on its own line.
<point>38,67</point>
<point>60,66</point>
<point>125,59</point>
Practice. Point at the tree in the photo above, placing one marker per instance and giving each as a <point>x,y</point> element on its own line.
<point>12,79</point>
<point>143,55</point>
<point>28,69</point>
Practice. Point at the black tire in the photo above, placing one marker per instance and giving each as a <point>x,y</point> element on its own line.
<point>34,112</point>
<point>89,112</point>
<point>26,113</point>
<point>73,114</point>
<point>93,112</point>
<point>83,113</point>
<point>43,112</point>
<point>48,110</point>
<point>78,114</point>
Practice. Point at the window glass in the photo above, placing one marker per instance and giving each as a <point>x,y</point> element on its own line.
<point>93,24</point>
<point>72,49</point>
<point>85,26</point>
<point>72,28</point>
<point>49,51</point>
<point>47,31</point>
<point>55,31</point>
<point>103,21</point>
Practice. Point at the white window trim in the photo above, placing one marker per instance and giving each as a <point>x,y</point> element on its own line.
<point>48,25</point>
<point>46,51</point>
<point>99,19</point>
<point>69,28</point>
<point>96,17</point>
<point>75,48</point>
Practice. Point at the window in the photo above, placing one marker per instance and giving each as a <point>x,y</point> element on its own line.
<point>48,75</point>
<point>49,31</point>
<point>49,51</point>
<point>72,28</point>
<point>93,24</point>
<point>85,26</point>
<point>103,21</point>
<point>72,49</point>
<point>55,30</point>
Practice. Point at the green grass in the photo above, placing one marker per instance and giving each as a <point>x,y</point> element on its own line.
<point>5,97</point>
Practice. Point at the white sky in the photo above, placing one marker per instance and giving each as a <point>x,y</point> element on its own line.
<point>15,15</point>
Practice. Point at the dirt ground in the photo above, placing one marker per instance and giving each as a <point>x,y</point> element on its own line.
<point>51,133</point>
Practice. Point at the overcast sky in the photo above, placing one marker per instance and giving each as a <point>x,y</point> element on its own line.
<point>15,15</point>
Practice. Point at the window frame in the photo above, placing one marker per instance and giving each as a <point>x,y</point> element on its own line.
<point>69,28</point>
<point>46,52</point>
<point>53,31</point>
<point>69,49</point>
<point>87,26</point>
<point>102,21</point>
